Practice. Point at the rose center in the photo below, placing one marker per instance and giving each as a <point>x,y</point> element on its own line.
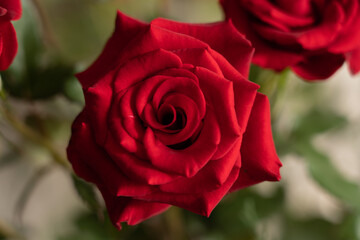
<point>170,117</point>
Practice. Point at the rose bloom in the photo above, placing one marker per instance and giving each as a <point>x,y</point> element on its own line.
<point>170,119</point>
<point>9,10</point>
<point>313,37</point>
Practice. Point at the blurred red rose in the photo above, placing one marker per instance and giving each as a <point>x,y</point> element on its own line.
<point>9,10</point>
<point>313,37</point>
<point>166,116</point>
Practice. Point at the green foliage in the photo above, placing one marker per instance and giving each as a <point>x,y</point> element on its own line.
<point>37,73</point>
<point>89,227</point>
<point>87,193</point>
<point>321,168</point>
<point>324,172</point>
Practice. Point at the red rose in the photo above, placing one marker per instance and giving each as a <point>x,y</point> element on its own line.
<point>165,117</point>
<point>313,37</point>
<point>9,10</point>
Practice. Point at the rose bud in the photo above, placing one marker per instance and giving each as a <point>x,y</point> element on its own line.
<point>312,37</point>
<point>170,119</point>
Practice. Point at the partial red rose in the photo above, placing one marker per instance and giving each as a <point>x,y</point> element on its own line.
<point>171,119</point>
<point>9,10</point>
<point>313,37</point>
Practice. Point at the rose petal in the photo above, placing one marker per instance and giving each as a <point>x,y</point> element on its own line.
<point>125,32</point>
<point>135,168</point>
<point>354,60</point>
<point>13,8</point>
<point>192,121</point>
<point>210,177</point>
<point>98,101</point>
<point>325,33</point>
<point>244,90</point>
<point>258,154</point>
<point>219,95</point>
<point>222,37</point>
<point>202,204</point>
<point>184,86</point>
<point>148,64</point>
<point>8,43</point>
<point>319,67</point>
<point>131,211</point>
<point>199,57</point>
<point>186,162</point>
<point>87,158</point>
<point>270,14</point>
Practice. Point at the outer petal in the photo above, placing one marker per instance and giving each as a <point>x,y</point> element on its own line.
<point>198,203</point>
<point>354,60</point>
<point>266,55</point>
<point>13,8</point>
<point>132,211</point>
<point>258,155</point>
<point>87,158</point>
<point>231,44</point>
<point>9,45</point>
<point>319,66</point>
<point>126,30</point>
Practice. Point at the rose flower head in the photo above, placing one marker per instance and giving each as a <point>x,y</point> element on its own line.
<point>170,119</point>
<point>313,37</point>
<point>9,10</point>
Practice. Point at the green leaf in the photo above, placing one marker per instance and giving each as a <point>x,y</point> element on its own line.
<point>324,173</point>
<point>313,229</point>
<point>87,193</point>
<point>350,227</point>
<point>73,91</point>
<point>315,122</point>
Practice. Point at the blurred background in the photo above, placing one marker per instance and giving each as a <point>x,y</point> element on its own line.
<point>316,127</point>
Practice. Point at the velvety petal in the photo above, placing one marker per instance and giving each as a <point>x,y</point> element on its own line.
<point>244,90</point>
<point>13,8</point>
<point>184,86</point>
<point>120,135</point>
<point>145,92</point>
<point>299,8</point>
<point>266,55</point>
<point>210,177</point>
<point>258,154</point>
<point>319,67</point>
<point>312,37</point>
<point>98,100</point>
<point>144,66</point>
<point>192,121</point>
<point>199,57</point>
<point>219,95</point>
<point>126,30</point>
<point>125,112</point>
<point>202,204</point>
<point>131,211</point>
<point>222,37</point>
<point>135,168</point>
<point>8,43</point>
<point>186,162</point>
<point>266,12</point>
<point>87,158</point>
<point>349,39</point>
<point>324,34</point>
<point>354,60</point>
<point>179,72</point>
